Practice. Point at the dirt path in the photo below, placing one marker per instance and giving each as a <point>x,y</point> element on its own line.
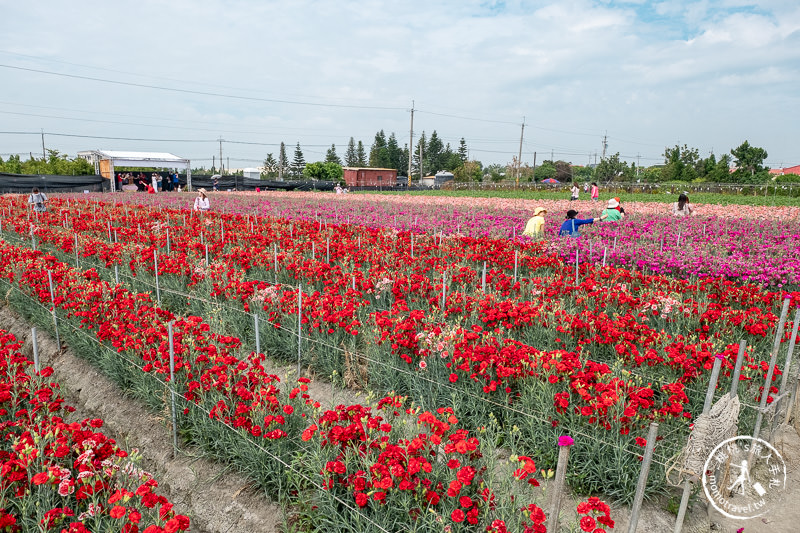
<point>216,500</point>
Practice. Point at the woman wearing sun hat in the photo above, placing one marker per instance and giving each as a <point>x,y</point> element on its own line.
<point>613,212</point>
<point>535,225</point>
<point>201,202</point>
<point>571,224</point>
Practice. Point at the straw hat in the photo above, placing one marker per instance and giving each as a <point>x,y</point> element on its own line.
<point>201,191</point>
<point>613,203</point>
<point>539,210</point>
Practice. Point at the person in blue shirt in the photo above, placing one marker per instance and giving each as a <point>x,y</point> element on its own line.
<point>571,224</point>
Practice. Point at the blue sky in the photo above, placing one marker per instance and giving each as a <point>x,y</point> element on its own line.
<point>708,74</point>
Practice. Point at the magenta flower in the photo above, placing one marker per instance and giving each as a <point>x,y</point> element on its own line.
<point>565,440</point>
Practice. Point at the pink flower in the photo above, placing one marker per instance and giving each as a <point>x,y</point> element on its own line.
<point>565,440</point>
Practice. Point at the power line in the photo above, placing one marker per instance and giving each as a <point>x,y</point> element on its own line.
<point>201,93</point>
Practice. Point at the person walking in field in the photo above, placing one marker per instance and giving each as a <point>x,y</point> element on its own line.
<point>682,208</point>
<point>571,224</point>
<point>613,212</point>
<point>535,225</point>
<point>574,192</point>
<point>38,200</point>
<point>595,192</point>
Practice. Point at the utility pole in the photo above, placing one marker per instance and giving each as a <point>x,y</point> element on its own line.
<point>605,146</point>
<point>637,165</point>
<point>552,156</point>
<point>281,162</point>
<point>420,163</point>
<point>533,178</point>
<point>220,155</point>
<point>519,158</point>
<point>44,152</point>
<point>411,143</point>
<point>214,162</point>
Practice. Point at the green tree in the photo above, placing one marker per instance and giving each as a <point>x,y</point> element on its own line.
<point>434,153</point>
<point>379,152</point>
<point>270,166</point>
<point>361,155</point>
<point>323,170</point>
<point>547,170</point>
<point>283,161</point>
<point>681,164</point>
<point>298,163</point>
<point>331,157</point>
<point>418,162</point>
<point>463,152</point>
<point>495,172</point>
<point>395,155</point>
<point>611,168</point>
<point>469,171</point>
<point>351,157</point>
<point>721,173</point>
<point>749,162</point>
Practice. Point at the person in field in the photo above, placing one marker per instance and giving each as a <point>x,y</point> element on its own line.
<point>38,200</point>
<point>571,225</point>
<point>574,192</point>
<point>201,203</point>
<point>535,225</point>
<point>682,208</point>
<point>613,211</point>
<point>595,192</point>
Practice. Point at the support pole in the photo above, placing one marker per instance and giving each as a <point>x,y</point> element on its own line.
<point>558,489</point>
<point>687,485</point>
<point>206,255</point>
<point>768,381</point>
<point>53,302</point>
<point>35,350</point>
<point>155,268</point>
<point>299,325</point>
<point>258,336</point>
<point>483,278</point>
<point>788,364</point>
<point>172,390</point>
<point>116,274</point>
<point>516,261</point>
<point>738,369</point>
<point>640,486</point>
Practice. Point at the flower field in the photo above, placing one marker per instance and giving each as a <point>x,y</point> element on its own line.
<point>66,476</point>
<point>480,350</point>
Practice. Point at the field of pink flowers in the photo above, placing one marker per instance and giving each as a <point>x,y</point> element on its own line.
<point>751,244</point>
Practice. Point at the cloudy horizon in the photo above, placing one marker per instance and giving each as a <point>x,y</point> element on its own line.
<point>178,76</point>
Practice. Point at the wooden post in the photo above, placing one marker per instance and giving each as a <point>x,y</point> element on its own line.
<point>643,473</point>
<point>558,489</point>
<point>172,390</point>
<point>773,359</point>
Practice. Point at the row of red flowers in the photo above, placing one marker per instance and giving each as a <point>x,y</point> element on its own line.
<point>71,476</point>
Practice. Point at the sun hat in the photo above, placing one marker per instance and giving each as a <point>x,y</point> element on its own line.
<point>572,213</point>
<point>613,203</point>
<point>539,210</point>
<point>201,190</point>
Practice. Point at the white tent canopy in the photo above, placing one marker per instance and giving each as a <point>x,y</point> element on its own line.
<point>118,158</point>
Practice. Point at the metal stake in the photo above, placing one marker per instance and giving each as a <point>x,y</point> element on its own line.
<point>172,390</point>
<point>258,336</point>
<point>155,268</point>
<point>299,325</point>
<point>35,350</point>
<point>53,302</point>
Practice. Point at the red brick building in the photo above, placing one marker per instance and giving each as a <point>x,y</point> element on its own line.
<point>370,177</point>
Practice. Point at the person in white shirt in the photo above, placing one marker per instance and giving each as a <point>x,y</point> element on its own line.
<point>38,200</point>
<point>574,191</point>
<point>201,202</point>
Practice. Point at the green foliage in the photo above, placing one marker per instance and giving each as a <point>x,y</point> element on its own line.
<point>495,172</point>
<point>361,155</point>
<point>379,152</point>
<point>681,164</point>
<point>298,163</point>
<point>463,153</point>
<point>612,169</point>
<point>270,166</point>
<point>331,156</point>
<point>435,155</point>
<point>56,163</point>
<point>351,157</point>
<point>469,171</point>
<point>323,170</point>
<point>547,170</point>
<point>749,162</point>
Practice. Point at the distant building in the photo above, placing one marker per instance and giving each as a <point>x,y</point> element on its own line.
<point>370,177</point>
<point>252,173</point>
<point>440,178</point>
<point>787,170</point>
